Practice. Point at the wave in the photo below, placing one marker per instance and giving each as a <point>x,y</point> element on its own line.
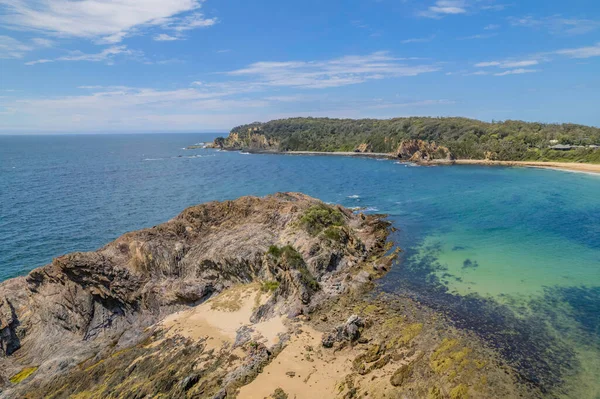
<point>354,196</point>
<point>153,159</point>
<point>371,209</point>
<point>244,153</point>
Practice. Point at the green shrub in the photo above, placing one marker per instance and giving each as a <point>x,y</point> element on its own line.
<point>333,233</point>
<point>291,258</point>
<point>318,217</point>
<point>274,251</point>
<point>269,286</point>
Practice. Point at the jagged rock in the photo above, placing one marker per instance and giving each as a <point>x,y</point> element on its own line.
<point>243,335</point>
<point>83,304</point>
<point>419,150</point>
<point>364,147</point>
<point>189,381</point>
<point>349,331</point>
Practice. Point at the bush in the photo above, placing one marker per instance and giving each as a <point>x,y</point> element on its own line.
<point>333,233</point>
<point>319,217</point>
<point>269,286</point>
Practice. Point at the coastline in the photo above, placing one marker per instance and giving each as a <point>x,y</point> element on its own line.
<point>588,168</point>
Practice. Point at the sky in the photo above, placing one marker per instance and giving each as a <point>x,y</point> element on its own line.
<point>117,66</point>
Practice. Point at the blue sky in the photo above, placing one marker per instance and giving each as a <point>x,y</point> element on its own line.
<point>189,65</point>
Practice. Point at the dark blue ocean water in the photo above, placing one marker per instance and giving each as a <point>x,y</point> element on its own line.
<point>513,237</point>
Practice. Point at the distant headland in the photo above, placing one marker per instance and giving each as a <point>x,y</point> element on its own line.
<point>426,141</point>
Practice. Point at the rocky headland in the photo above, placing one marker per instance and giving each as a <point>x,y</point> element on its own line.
<point>252,298</point>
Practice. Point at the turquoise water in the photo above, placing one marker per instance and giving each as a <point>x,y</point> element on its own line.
<point>511,253</point>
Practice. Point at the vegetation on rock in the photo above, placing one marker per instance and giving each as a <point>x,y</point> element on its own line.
<point>319,217</point>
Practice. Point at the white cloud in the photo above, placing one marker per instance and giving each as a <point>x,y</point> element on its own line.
<point>478,36</point>
<point>518,71</point>
<point>492,27</point>
<point>103,21</point>
<point>507,64</point>
<point>581,52</point>
<point>442,8</point>
<point>163,37</point>
<point>13,48</point>
<point>332,73</point>
<point>558,25</point>
<point>418,40</point>
<point>41,42</point>
<point>107,55</point>
<point>445,7</point>
<point>221,106</point>
<point>193,21</point>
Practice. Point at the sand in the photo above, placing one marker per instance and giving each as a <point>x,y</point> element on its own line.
<point>567,166</point>
<point>314,378</point>
<point>219,319</point>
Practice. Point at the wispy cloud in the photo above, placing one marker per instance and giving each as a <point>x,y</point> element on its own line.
<point>101,21</point>
<point>492,27</point>
<point>445,7</point>
<point>478,36</point>
<point>558,24</point>
<point>163,37</point>
<point>518,71</point>
<point>581,52</point>
<point>507,64</point>
<point>332,73</point>
<point>418,40</point>
<point>13,48</point>
<point>107,55</point>
<point>442,8</point>
<point>124,108</point>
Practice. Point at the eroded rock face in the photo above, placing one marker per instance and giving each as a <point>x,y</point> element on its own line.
<point>364,147</point>
<point>83,302</point>
<point>419,150</point>
<point>252,139</point>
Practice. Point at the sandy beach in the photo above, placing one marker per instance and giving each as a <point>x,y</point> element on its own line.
<point>567,166</point>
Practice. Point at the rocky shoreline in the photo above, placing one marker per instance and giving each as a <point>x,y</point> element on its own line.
<point>255,297</point>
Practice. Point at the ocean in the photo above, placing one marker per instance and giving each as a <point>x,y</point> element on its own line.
<point>512,254</point>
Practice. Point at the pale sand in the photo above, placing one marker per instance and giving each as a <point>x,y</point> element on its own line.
<point>219,319</point>
<point>318,378</point>
<point>568,166</point>
<point>322,374</point>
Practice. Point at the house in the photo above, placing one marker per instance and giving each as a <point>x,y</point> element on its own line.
<point>561,147</point>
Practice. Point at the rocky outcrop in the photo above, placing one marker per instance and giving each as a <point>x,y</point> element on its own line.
<point>363,147</point>
<point>82,304</point>
<point>419,151</point>
<point>252,139</point>
<point>347,332</point>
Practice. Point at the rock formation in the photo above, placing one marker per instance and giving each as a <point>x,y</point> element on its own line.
<point>419,151</point>
<point>364,147</point>
<point>78,313</point>
<point>252,139</point>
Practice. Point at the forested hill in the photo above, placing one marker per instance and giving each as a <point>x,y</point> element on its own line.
<point>465,138</point>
